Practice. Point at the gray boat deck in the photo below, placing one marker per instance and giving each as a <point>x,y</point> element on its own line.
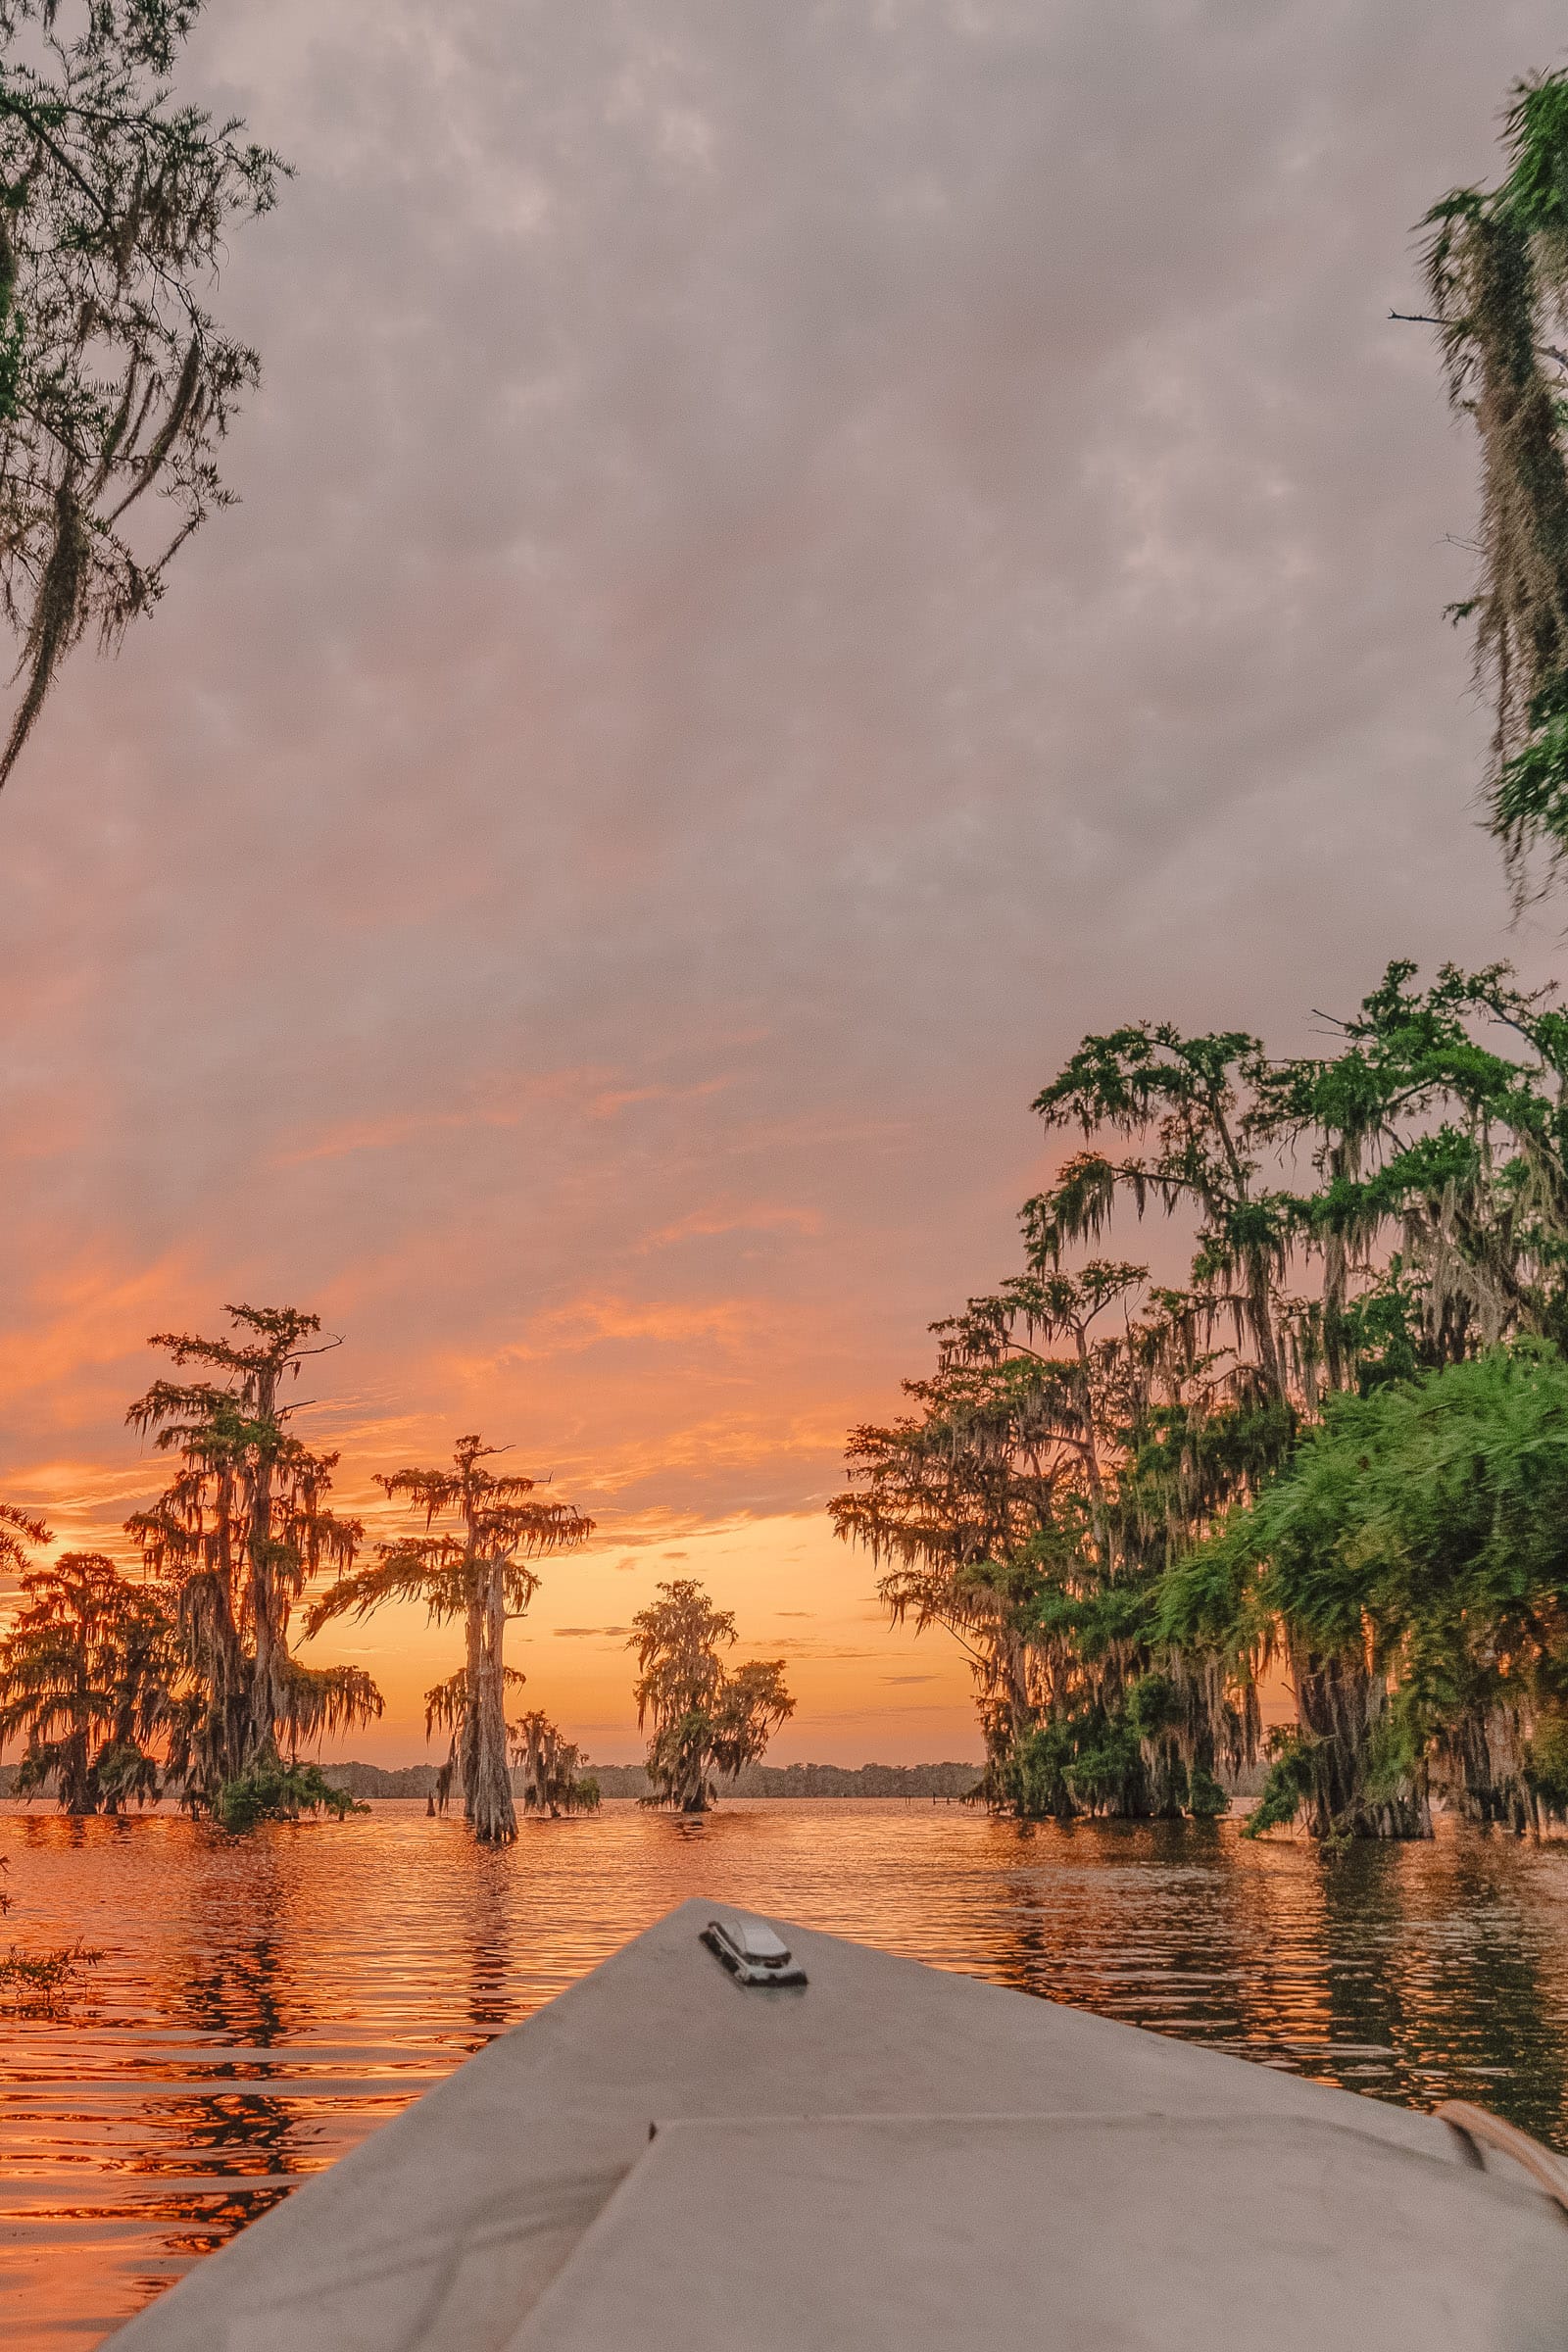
<point>893,2156</point>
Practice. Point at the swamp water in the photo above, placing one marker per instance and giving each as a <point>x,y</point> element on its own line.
<point>263,2003</point>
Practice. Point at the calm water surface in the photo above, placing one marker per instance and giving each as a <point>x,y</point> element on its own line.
<point>263,2003</point>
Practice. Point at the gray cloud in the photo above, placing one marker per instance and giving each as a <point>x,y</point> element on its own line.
<point>793,560</point>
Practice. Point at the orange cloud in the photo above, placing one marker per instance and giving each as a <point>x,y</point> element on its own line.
<point>589,1322</point>
<point>76,1323</point>
<point>705,1223</point>
<point>501,1102</point>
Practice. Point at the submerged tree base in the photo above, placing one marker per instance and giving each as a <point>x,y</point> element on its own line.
<point>38,1981</point>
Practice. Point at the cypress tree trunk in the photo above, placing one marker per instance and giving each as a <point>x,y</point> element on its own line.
<point>76,1778</point>
<point>493,1815</point>
<point>267,1633</point>
<point>222,1662</point>
<point>469,1737</point>
<point>1339,1701</point>
<point>1260,1314</point>
<point>1484,1753</point>
<point>694,1793</point>
<point>263,1711</point>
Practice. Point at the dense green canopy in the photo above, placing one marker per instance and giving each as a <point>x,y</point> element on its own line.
<point>1130,1499</point>
<point>1420,1535</point>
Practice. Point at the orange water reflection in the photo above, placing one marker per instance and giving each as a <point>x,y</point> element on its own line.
<point>265,2003</point>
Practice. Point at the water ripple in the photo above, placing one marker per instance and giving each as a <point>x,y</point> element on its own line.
<point>263,2003</point>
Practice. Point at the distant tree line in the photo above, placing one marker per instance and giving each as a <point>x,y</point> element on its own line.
<point>814,1780</point>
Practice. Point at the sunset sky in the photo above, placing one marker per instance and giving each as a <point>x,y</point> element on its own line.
<point>793,560</point>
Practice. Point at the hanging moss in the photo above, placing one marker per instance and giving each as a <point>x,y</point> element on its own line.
<point>1496,263</point>
<point>116,204</point>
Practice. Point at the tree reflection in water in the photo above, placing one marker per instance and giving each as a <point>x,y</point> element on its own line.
<point>1411,1973</point>
<point>489,1892</point>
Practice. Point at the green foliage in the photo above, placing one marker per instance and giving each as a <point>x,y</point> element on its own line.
<point>1104,1765</point>
<point>1154,1706</point>
<point>1288,1786</point>
<point>1127,1501</point>
<point>272,1790</point>
<point>1443,1495</point>
<point>1030,1778</point>
<point>1422,1532</point>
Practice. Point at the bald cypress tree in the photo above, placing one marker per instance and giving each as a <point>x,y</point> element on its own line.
<point>476,1570</point>
<point>89,1674</point>
<point>241,1531</point>
<point>553,1778</point>
<point>703,1717</point>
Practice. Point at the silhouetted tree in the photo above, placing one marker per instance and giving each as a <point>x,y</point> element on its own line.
<point>240,1533</point>
<point>703,1719</point>
<point>89,1672</point>
<point>552,1781</point>
<point>479,1575</point>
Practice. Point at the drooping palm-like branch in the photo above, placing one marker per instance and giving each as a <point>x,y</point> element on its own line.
<point>115,380</point>
<point>18,1528</point>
